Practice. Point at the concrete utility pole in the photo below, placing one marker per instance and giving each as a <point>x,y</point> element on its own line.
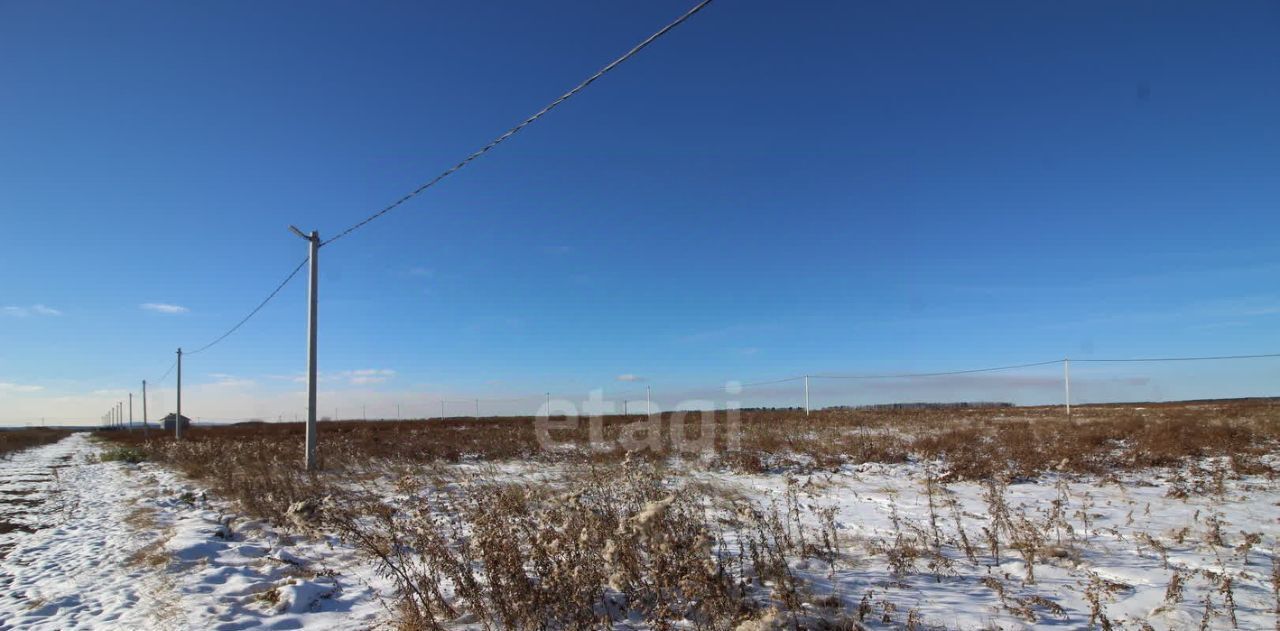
<point>131,411</point>
<point>477,408</point>
<point>648,411</point>
<point>806,395</point>
<point>1066,383</point>
<point>312,297</point>
<point>120,414</point>
<point>177,418</point>
<point>145,433</point>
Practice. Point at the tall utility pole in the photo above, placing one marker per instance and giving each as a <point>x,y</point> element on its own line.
<point>177,417</point>
<point>131,411</point>
<point>648,411</point>
<point>312,297</point>
<point>477,408</point>
<point>806,395</point>
<point>442,408</point>
<point>145,433</point>
<point>120,414</point>
<point>1066,383</point>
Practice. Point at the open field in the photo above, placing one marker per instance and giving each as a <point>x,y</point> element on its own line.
<point>17,439</point>
<point>1125,516</point>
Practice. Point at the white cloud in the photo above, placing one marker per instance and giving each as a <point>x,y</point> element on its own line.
<point>37,310</point>
<point>230,381</point>
<point>17,387</point>
<point>366,372</point>
<point>161,307</point>
<point>630,377</point>
<point>362,377</point>
<point>367,376</point>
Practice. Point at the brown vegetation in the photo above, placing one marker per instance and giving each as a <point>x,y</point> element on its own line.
<point>612,536</point>
<point>18,439</point>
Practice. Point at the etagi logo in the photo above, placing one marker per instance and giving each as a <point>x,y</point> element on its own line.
<point>692,426</point>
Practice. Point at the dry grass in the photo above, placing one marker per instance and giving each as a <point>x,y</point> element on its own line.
<point>614,537</point>
<point>18,439</point>
<point>975,443</point>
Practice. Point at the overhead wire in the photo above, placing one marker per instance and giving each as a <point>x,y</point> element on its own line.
<point>464,162</point>
<point>937,374</point>
<point>1179,359</point>
<point>525,123</point>
<point>255,311</point>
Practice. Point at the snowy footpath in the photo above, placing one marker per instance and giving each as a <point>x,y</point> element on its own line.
<point>106,545</point>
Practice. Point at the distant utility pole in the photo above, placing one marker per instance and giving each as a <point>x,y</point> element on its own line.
<point>441,408</point>
<point>477,408</point>
<point>120,414</point>
<point>397,411</point>
<point>806,395</point>
<point>145,433</point>
<point>1066,383</point>
<point>648,411</point>
<point>312,298</point>
<point>177,418</point>
<point>131,411</point>
<point>625,409</point>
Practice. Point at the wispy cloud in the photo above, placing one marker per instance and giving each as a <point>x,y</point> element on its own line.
<point>362,377</point>
<point>36,310</point>
<point>230,381</point>
<point>630,378</point>
<point>424,272</point>
<point>367,376</point>
<point>18,387</point>
<point>163,307</point>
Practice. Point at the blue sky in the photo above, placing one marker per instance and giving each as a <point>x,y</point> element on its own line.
<point>772,189</point>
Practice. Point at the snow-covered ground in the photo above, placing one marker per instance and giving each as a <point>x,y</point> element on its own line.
<point>119,546</point>
<point>1122,538</point>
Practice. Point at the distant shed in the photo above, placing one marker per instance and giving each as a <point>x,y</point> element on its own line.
<point>168,422</point>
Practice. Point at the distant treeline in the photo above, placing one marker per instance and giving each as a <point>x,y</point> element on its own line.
<point>927,406</point>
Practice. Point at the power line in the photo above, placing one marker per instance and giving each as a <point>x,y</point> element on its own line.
<point>166,373</point>
<point>768,383</point>
<point>937,374</point>
<point>251,313</point>
<point>1179,359</point>
<point>526,122</point>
